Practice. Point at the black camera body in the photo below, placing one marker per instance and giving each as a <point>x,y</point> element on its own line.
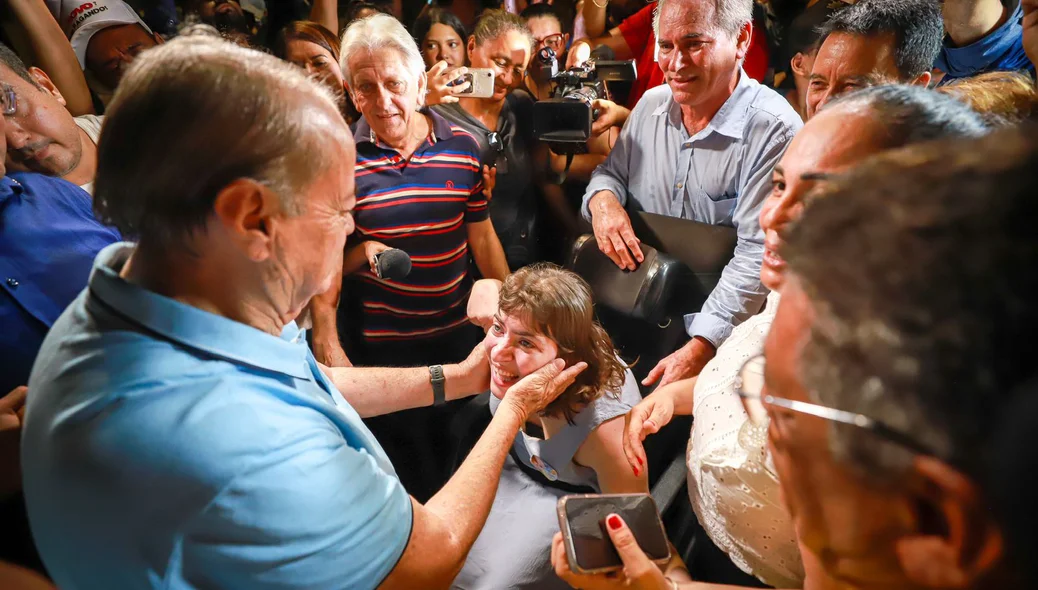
<point>564,120</point>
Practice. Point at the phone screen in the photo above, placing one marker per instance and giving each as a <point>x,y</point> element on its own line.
<point>592,547</point>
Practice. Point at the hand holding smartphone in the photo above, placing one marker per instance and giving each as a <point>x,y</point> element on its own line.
<point>589,549</point>
<point>481,83</point>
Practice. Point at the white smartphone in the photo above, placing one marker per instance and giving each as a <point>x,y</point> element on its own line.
<point>481,83</point>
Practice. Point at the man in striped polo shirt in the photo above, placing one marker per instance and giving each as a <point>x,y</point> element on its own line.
<point>420,188</point>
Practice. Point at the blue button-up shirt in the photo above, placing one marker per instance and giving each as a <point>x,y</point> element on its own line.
<point>167,447</point>
<point>720,176</point>
<point>48,240</point>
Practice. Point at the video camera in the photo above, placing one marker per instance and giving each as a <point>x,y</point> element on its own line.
<point>564,120</point>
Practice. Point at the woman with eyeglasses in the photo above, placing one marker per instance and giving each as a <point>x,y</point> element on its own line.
<point>732,481</point>
<point>546,27</point>
<point>502,124</point>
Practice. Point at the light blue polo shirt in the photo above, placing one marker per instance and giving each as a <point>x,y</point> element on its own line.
<point>167,447</point>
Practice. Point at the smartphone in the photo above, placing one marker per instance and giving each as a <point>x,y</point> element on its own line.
<point>481,83</point>
<point>588,546</point>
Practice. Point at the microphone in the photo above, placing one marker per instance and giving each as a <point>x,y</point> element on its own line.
<point>392,264</point>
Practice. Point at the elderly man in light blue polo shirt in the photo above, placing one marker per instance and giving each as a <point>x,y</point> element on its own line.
<point>701,147</point>
<point>179,433</point>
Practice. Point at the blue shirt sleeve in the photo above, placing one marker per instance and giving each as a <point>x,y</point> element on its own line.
<point>317,514</point>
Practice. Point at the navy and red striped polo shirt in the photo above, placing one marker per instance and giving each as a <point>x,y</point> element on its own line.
<point>420,206</point>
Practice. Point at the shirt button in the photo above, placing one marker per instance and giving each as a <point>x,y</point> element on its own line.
<point>12,282</point>
<point>679,185</point>
<point>688,144</point>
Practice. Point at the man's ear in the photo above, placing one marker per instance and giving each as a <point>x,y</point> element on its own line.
<point>742,46</point>
<point>423,85</point>
<point>799,65</point>
<point>922,79</point>
<point>957,542</point>
<point>244,209</point>
<point>470,47</point>
<point>45,84</point>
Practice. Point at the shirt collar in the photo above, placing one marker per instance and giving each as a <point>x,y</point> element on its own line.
<point>441,129</point>
<point>193,328</point>
<point>8,188</point>
<point>729,121</point>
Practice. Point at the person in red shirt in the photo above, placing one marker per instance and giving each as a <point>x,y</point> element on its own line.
<point>635,39</point>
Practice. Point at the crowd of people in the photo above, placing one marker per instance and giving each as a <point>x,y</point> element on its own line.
<point>210,376</point>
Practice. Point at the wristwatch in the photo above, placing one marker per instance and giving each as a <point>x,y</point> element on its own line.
<point>437,379</point>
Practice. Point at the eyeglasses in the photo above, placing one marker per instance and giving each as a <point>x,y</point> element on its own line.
<point>553,41</point>
<point>8,99</point>
<point>749,385</point>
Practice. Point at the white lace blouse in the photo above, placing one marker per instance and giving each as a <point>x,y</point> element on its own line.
<point>731,480</point>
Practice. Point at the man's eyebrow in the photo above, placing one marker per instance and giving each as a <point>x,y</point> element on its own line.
<point>816,176</point>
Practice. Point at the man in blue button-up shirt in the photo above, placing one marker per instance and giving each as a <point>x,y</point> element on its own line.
<point>48,240</point>
<point>701,147</point>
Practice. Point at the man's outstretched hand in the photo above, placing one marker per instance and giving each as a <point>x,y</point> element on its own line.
<point>685,362</point>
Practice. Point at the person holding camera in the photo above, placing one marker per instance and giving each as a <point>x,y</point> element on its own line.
<point>701,147</point>
<point>501,42</point>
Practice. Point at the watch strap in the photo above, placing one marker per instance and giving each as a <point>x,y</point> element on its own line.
<point>438,381</point>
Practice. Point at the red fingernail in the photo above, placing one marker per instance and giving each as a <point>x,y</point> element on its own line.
<point>640,462</point>
<point>614,522</point>
<point>635,470</point>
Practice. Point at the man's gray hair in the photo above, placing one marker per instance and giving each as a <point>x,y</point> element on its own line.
<point>380,31</point>
<point>919,267</point>
<point>192,116</point>
<point>729,15</point>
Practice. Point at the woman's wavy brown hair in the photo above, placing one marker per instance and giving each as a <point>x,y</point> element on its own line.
<point>557,303</point>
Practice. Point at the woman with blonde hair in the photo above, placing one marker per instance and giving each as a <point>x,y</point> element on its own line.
<point>573,446</point>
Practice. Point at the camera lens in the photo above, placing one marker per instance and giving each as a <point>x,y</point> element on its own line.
<point>585,94</point>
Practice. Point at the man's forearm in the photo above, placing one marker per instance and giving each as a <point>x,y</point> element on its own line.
<point>489,255</point>
<point>326,13</point>
<point>595,17</point>
<point>968,21</point>
<point>464,503</point>
<point>54,54</point>
<point>374,391</point>
<point>738,295</point>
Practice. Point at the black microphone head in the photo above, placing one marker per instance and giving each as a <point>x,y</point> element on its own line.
<point>392,264</point>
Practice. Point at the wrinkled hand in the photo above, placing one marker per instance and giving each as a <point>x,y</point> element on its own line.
<point>613,231</point>
<point>610,115</point>
<point>440,76</point>
<point>12,408</point>
<point>639,572</point>
<point>483,302</point>
<point>489,181</point>
<point>579,53</point>
<point>1030,25</point>
<point>371,250</point>
<point>475,370</point>
<point>538,389</point>
<point>685,362</point>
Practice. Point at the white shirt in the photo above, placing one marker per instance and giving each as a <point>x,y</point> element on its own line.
<point>91,124</point>
<point>731,481</point>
